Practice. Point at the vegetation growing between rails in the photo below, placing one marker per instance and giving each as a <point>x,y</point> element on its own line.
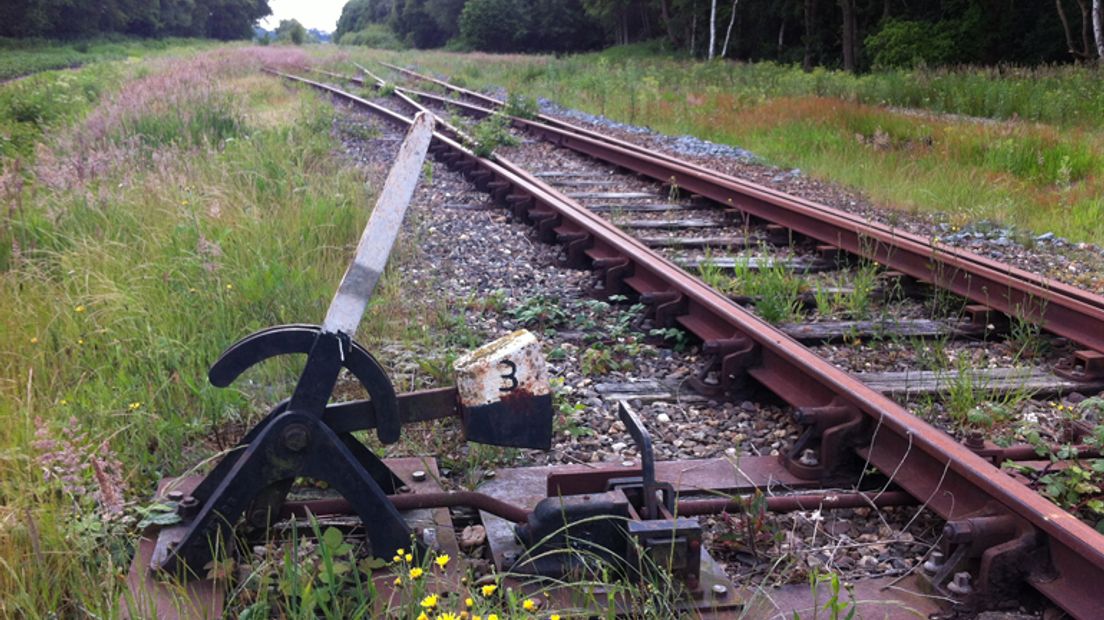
<point>1046,175</point>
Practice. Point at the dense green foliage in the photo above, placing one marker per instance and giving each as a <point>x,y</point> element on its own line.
<point>25,56</point>
<point>216,19</point>
<point>852,34</point>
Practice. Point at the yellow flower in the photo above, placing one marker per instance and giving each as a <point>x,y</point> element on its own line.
<point>229,287</point>
<point>554,617</point>
<point>469,602</point>
<point>134,406</point>
<point>408,557</point>
<point>400,552</point>
<point>430,601</point>
<point>448,616</point>
<point>396,559</point>
<point>443,560</point>
<point>398,581</point>
<point>184,202</point>
<point>34,339</point>
<point>423,616</point>
<point>416,572</point>
<point>80,340</point>
<point>529,604</point>
<point>492,616</point>
<point>79,309</point>
<point>191,290</point>
<point>489,589</point>
<point>64,402</point>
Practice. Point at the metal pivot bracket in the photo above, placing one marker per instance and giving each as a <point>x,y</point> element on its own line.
<point>984,560</point>
<point>724,369</point>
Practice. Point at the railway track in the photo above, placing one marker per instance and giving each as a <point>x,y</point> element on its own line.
<point>844,416</point>
<point>999,534</point>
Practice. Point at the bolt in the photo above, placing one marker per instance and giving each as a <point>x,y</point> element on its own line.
<point>296,437</point>
<point>627,463</point>
<point>957,532</point>
<point>719,590</point>
<point>809,457</point>
<point>975,440</point>
<point>934,562</point>
<point>404,489</point>
<point>509,557</point>
<point>490,473</point>
<point>961,584</point>
<point>175,496</point>
<point>187,507</point>
<point>418,476</point>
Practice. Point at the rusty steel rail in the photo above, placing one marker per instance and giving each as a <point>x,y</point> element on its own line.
<point>1058,307</point>
<point>1065,557</point>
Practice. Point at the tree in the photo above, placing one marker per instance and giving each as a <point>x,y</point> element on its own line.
<point>1098,28</point>
<point>847,40</point>
<point>494,25</point>
<point>728,32</point>
<point>291,31</point>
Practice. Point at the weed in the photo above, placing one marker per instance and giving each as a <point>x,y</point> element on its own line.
<point>540,312</point>
<point>521,106</point>
<point>677,337</point>
<point>491,133</point>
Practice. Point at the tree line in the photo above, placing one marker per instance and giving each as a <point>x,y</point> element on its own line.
<point>847,34</point>
<point>69,19</point>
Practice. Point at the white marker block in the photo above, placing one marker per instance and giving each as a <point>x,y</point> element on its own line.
<point>505,397</point>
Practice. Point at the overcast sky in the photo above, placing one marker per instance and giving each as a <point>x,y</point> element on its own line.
<point>320,14</point>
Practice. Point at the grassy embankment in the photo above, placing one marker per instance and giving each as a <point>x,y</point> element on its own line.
<point>1032,158</point>
<point>19,57</point>
<point>181,205</point>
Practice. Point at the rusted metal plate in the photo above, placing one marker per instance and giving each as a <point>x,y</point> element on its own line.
<point>148,596</point>
<point>884,598</point>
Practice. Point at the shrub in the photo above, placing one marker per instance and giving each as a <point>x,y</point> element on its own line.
<point>905,43</point>
<point>494,25</point>
<point>373,35</point>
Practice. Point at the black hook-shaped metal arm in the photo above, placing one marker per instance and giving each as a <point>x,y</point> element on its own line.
<point>300,338</point>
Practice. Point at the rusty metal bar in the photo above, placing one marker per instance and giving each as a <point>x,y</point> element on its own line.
<point>791,503</point>
<point>923,461</point>
<point>412,501</point>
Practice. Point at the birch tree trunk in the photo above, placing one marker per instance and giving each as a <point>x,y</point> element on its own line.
<point>712,28</point>
<point>1098,29</point>
<point>728,33</point>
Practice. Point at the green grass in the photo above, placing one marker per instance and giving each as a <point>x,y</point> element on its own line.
<point>19,57</point>
<point>120,289</point>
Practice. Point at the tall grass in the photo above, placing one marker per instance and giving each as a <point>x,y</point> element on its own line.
<point>129,271</point>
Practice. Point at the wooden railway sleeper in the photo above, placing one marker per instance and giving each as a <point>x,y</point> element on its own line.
<point>827,443</point>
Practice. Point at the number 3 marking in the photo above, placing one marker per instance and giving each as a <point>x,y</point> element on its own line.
<point>510,376</point>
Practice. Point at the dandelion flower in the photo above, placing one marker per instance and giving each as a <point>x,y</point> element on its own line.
<point>79,309</point>
<point>448,616</point>
<point>396,559</point>
<point>529,604</point>
<point>134,406</point>
<point>554,617</point>
<point>492,616</point>
<point>489,589</point>
<point>400,552</point>
<point>229,287</point>
<point>423,616</point>
<point>469,602</point>
<point>80,340</point>
<point>398,581</point>
<point>416,572</point>
<point>443,560</point>
<point>430,601</point>
<point>408,557</point>
<point>64,402</point>
<point>34,339</point>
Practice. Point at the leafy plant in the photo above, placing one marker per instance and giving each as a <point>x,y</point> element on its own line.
<point>521,106</point>
<point>541,312</point>
<point>491,133</point>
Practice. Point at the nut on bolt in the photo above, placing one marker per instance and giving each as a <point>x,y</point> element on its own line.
<point>719,590</point>
<point>296,437</point>
<point>418,475</point>
<point>961,583</point>
<point>809,458</point>
<point>934,562</point>
<point>187,507</point>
